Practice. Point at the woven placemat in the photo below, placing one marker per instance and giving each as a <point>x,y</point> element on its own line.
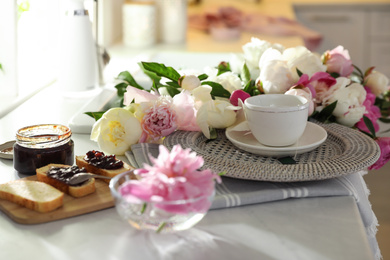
<point>345,151</point>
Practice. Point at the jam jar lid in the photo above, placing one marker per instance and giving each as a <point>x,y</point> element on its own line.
<point>43,136</point>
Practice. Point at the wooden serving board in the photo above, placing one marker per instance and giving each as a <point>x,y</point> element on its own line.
<point>100,199</point>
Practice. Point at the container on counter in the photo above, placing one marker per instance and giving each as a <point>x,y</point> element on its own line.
<point>40,145</point>
<point>139,23</point>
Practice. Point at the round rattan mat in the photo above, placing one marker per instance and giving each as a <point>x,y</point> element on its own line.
<point>345,151</point>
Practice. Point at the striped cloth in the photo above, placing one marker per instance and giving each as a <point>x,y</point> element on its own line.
<point>236,192</point>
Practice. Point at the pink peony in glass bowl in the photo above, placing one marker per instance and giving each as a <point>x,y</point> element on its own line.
<point>161,217</point>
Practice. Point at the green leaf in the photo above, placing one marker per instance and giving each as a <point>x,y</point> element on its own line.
<point>116,102</point>
<point>213,133</point>
<point>203,77</point>
<point>120,92</point>
<point>251,88</point>
<point>161,70</point>
<point>153,76</point>
<point>155,86</point>
<point>1,67</point>
<point>384,120</point>
<point>173,84</point>
<point>326,114</point>
<point>334,75</point>
<point>121,89</point>
<point>369,125</point>
<point>217,90</point>
<point>246,76</point>
<point>172,91</point>
<point>287,160</point>
<point>299,73</point>
<point>95,115</point>
<point>126,76</point>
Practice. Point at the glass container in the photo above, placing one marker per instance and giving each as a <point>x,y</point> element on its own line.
<point>158,216</point>
<point>39,145</point>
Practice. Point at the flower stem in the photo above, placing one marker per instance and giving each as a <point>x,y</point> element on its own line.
<point>160,228</point>
<point>143,208</point>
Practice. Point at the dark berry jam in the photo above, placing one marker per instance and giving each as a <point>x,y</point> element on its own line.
<point>102,161</point>
<point>64,174</point>
<point>39,145</point>
<point>27,160</point>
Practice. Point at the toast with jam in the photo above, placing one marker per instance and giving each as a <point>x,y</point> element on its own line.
<point>98,163</point>
<point>34,195</point>
<point>58,175</point>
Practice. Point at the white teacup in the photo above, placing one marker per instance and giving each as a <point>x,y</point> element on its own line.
<point>276,119</point>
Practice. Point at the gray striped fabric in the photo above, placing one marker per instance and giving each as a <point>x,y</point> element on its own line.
<point>237,192</point>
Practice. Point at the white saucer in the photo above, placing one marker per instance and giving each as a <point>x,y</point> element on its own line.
<point>6,150</point>
<point>313,136</point>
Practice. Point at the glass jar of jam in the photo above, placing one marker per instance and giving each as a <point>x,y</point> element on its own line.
<point>39,145</point>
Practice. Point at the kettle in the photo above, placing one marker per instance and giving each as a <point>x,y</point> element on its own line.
<point>78,72</point>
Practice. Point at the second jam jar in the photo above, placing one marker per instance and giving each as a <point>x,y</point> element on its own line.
<point>39,145</point>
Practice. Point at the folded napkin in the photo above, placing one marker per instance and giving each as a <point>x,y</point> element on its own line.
<point>236,192</point>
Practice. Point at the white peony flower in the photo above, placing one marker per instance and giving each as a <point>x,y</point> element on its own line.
<point>269,55</point>
<point>278,71</point>
<point>116,131</point>
<point>254,49</point>
<point>215,114</point>
<point>201,95</point>
<point>237,62</point>
<point>350,98</point>
<point>276,77</point>
<point>229,80</point>
<point>303,59</point>
<point>377,82</point>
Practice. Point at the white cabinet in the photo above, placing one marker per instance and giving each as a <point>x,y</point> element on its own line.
<point>379,39</point>
<point>362,29</point>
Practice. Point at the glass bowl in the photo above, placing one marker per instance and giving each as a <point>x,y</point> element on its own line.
<point>153,216</point>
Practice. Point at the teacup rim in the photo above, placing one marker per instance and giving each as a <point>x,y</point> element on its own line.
<point>303,106</point>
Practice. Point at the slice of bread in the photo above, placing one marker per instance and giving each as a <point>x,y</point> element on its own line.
<point>81,162</point>
<point>81,190</point>
<point>33,195</point>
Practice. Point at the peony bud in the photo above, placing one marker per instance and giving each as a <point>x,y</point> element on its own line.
<point>189,82</point>
<point>377,82</point>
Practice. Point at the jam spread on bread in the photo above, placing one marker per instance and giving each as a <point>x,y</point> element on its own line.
<point>100,160</point>
<point>64,173</point>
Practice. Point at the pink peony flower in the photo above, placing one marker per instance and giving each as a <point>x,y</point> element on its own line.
<point>173,176</point>
<point>312,88</point>
<point>159,121</point>
<point>384,145</point>
<point>321,82</point>
<point>305,82</point>
<point>184,106</point>
<point>372,112</point>
<point>138,96</point>
<point>339,61</point>
<point>238,94</point>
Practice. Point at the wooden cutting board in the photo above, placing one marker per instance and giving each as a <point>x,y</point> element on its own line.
<point>100,199</point>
